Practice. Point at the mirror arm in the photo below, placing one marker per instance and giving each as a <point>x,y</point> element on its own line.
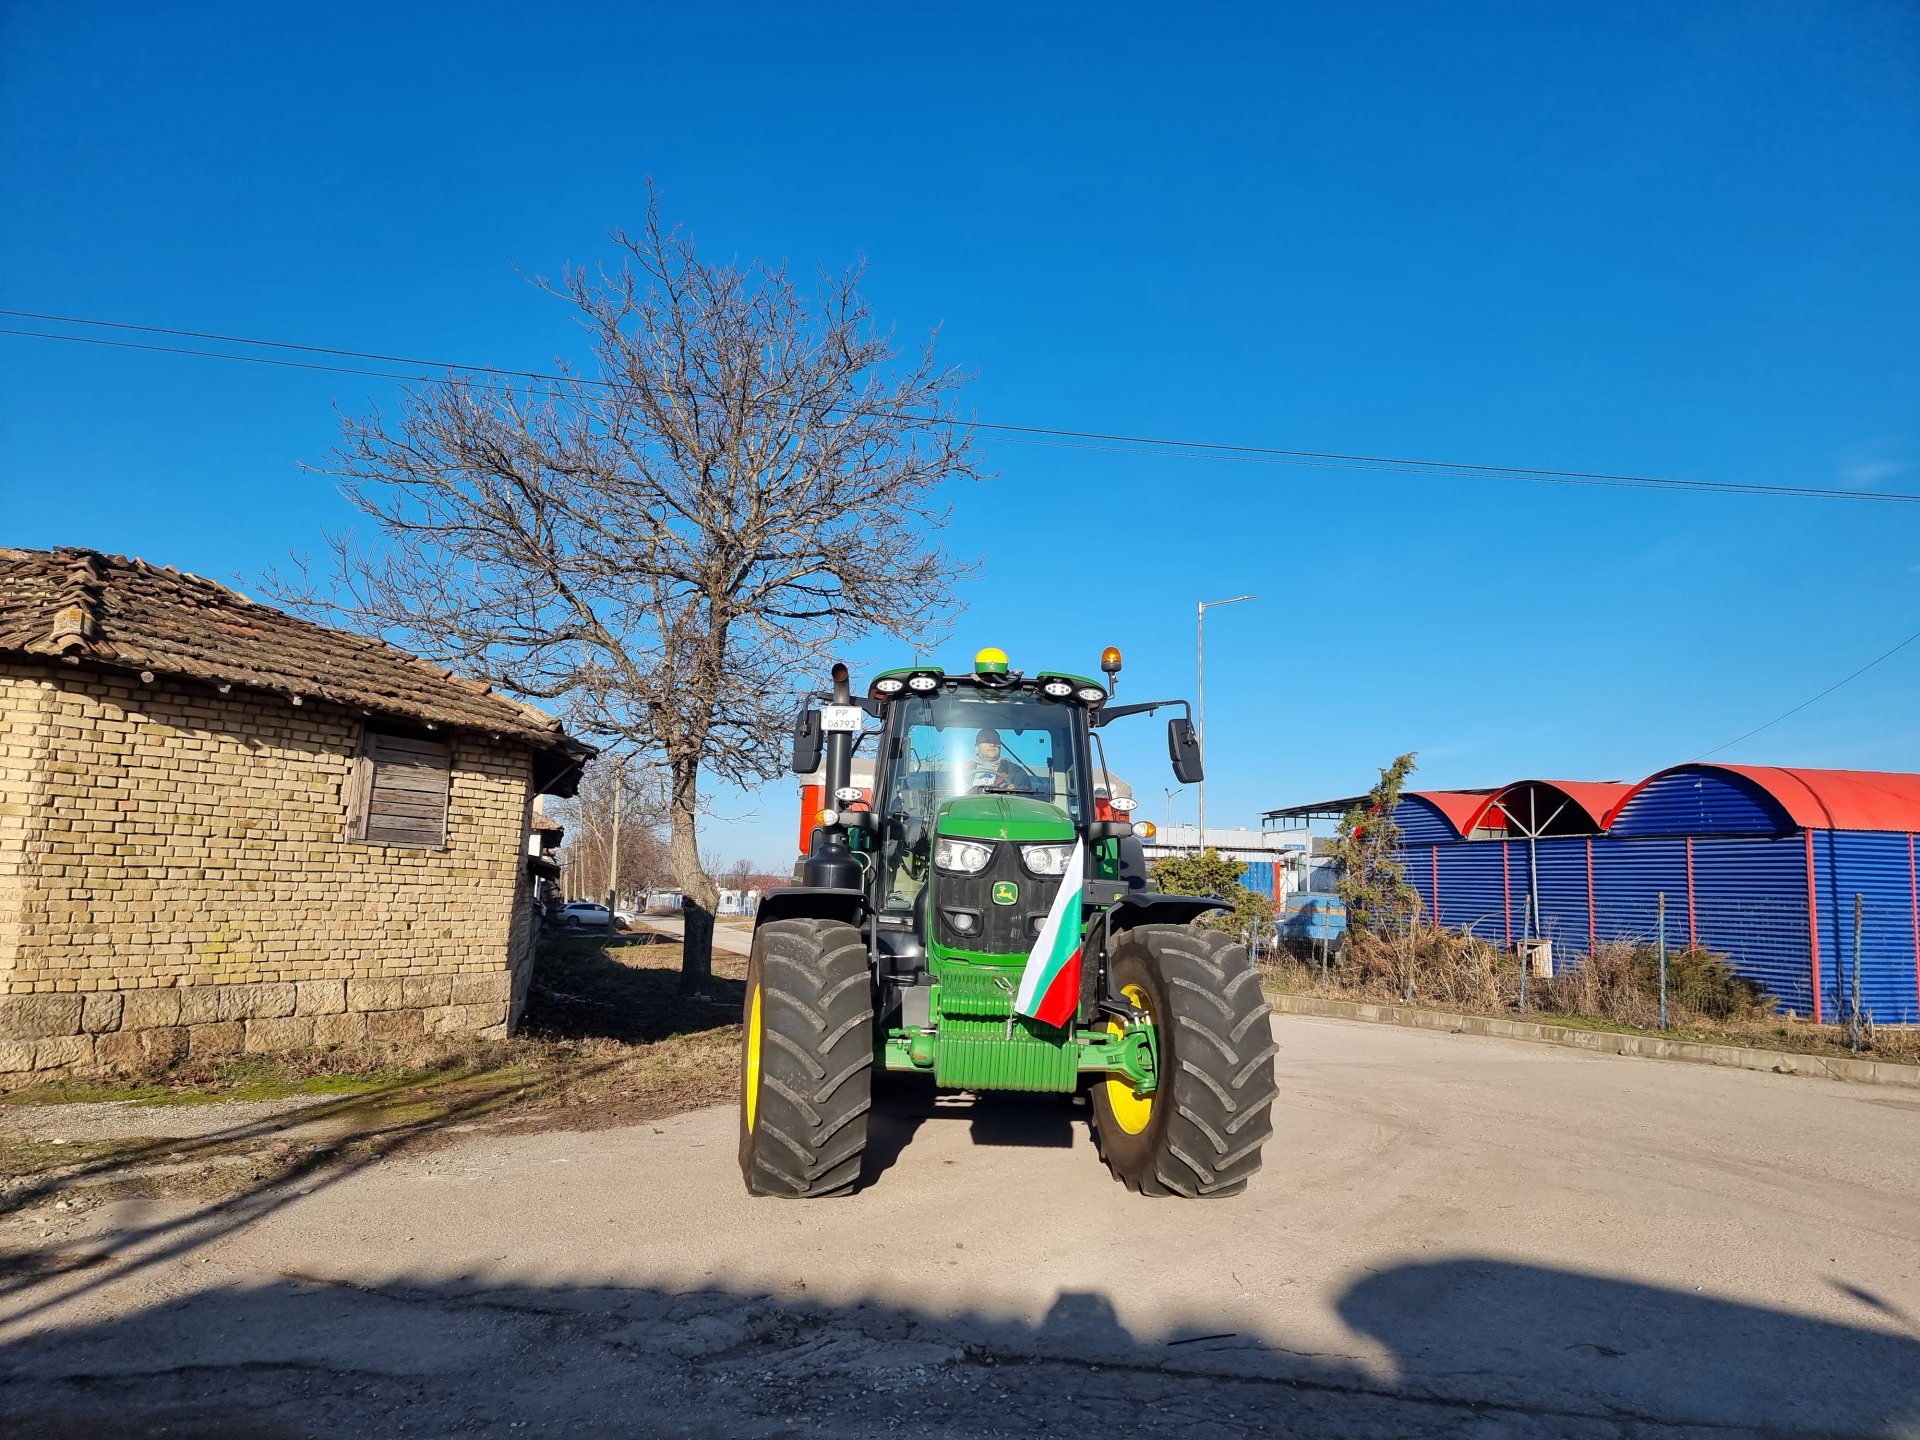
<point>1144,707</point>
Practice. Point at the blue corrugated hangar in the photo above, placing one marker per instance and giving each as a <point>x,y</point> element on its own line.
<point>1758,863</point>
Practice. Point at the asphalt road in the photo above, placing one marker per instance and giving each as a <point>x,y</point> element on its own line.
<point>1453,1236</point>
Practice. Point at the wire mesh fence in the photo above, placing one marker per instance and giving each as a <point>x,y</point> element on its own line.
<point>1661,964</point>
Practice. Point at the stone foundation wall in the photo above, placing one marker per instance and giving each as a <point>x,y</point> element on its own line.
<point>122,1030</point>
<point>176,878</point>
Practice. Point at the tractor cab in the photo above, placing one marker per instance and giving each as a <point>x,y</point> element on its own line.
<point>980,791</point>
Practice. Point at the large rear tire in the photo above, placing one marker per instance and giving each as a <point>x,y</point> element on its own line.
<point>806,1067</point>
<point>1201,1131</point>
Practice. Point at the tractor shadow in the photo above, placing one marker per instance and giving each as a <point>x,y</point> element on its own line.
<point>904,1103</point>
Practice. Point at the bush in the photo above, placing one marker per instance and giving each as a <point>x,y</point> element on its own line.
<point>1431,966</point>
<point>1618,982</point>
<point>1218,878</point>
<point>1621,982</point>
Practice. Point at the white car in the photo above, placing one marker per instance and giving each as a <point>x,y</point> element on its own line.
<point>584,914</point>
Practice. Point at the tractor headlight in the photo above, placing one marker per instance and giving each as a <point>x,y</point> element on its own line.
<point>962,857</point>
<point>1058,689</point>
<point>1122,805</point>
<point>892,685</point>
<point>1046,859</point>
<point>923,683</point>
<point>1092,694</point>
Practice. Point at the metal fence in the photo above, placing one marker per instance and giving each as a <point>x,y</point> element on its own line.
<point>1779,909</point>
<point>1653,969</point>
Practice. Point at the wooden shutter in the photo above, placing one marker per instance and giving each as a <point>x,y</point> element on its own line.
<point>401,791</point>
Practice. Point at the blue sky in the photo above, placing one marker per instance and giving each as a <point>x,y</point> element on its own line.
<point>1671,240</point>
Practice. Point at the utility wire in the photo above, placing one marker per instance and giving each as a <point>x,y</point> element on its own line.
<point>1805,703</point>
<point>1160,447</point>
<point>209,354</point>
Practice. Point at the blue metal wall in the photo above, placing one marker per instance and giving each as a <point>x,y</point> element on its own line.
<point>1749,903</point>
<point>1414,859</point>
<point>1257,876</point>
<point>1750,898</point>
<point>1700,802</point>
<point>1421,824</point>
<point>1878,867</point>
<point>1629,876</point>
<point>1483,886</point>
<point>1561,908</point>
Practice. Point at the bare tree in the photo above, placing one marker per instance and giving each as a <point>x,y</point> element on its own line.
<point>670,547</point>
<point>615,843</point>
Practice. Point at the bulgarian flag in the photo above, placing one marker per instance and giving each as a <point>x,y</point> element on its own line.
<point>1050,985</point>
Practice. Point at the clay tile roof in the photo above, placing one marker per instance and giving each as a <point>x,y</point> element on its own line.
<point>87,607</point>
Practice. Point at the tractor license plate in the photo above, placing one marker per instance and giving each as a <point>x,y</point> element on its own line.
<point>841,717</point>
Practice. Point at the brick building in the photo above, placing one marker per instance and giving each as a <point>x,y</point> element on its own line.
<point>226,829</point>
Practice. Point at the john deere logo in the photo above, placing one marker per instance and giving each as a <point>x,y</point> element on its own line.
<point>1005,892</point>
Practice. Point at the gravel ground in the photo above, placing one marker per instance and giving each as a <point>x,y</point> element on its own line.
<point>131,1120</point>
<point>1452,1237</point>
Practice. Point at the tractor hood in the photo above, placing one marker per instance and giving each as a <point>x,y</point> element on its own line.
<point>1002,817</point>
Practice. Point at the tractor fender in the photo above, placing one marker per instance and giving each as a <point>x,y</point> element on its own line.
<point>812,902</point>
<point>1149,907</point>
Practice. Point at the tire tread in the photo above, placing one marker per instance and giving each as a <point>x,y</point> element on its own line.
<point>816,1060</point>
<point>1220,1091</point>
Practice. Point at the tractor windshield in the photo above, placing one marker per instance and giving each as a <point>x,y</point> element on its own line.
<point>972,742</point>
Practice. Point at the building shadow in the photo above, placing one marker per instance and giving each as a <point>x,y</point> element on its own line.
<point>1474,1347</point>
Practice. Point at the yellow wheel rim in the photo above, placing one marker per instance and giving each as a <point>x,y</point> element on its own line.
<point>753,1058</point>
<point>1131,1112</point>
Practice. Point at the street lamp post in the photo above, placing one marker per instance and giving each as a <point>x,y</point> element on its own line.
<point>1171,791</point>
<point>1200,697</point>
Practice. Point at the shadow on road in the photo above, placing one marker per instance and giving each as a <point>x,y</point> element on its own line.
<point>903,1103</point>
<point>1476,1346</point>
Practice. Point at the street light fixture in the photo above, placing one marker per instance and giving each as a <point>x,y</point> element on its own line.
<point>1200,697</point>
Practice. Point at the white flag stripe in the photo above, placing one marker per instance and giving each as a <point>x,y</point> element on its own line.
<point>1066,903</point>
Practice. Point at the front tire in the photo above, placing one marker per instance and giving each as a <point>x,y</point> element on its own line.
<point>1201,1132</point>
<point>806,1066</point>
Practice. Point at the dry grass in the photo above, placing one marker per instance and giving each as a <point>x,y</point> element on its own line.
<point>1617,987</point>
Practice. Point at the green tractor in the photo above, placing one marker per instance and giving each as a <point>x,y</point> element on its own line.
<point>986,921</point>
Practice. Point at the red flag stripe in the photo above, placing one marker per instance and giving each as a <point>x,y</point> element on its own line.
<point>1061,1001</point>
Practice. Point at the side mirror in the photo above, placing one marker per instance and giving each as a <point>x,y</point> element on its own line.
<point>806,742</point>
<point>1183,749</point>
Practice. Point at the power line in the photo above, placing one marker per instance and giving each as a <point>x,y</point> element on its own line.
<point>1805,703</point>
<point>1150,446</point>
<point>209,354</point>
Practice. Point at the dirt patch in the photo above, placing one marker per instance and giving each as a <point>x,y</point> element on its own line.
<point>608,1039</point>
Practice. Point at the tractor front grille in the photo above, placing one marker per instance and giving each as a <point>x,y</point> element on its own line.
<point>1004,929</point>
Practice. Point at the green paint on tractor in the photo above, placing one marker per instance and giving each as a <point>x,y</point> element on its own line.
<point>1003,817</point>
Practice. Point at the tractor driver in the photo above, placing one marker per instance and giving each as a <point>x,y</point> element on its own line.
<point>990,770</point>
